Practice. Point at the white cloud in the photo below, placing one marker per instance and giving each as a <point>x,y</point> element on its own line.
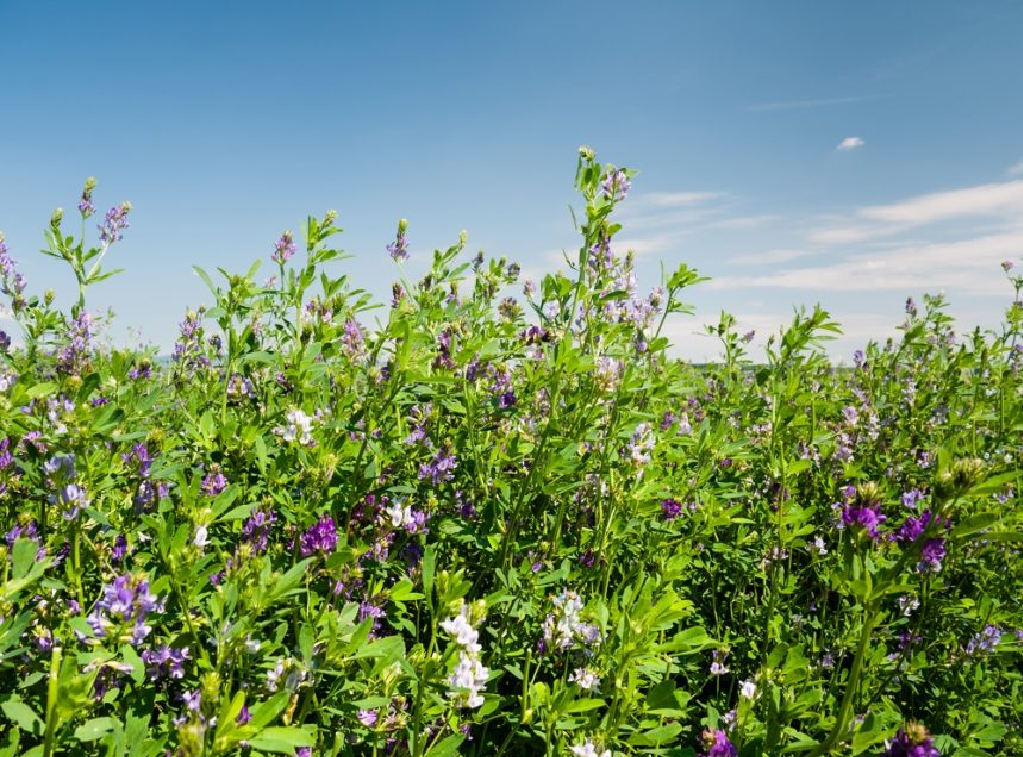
<point>1016,170</point>
<point>771,256</point>
<point>690,341</point>
<point>744,222</point>
<point>668,200</point>
<point>850,143</point>
<point>966,266</point>
<point>987,200</point>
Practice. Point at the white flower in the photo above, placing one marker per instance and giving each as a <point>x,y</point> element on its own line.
<point>748,689</point>
<point>201,538</point>
<point>589,749</point>
<point>461,630</point>
<point>470,675</point>
<point>587,679</point>
<point>401,516</point>
<point>299,428</point>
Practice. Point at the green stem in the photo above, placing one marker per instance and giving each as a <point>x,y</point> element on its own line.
<point>51,702</point>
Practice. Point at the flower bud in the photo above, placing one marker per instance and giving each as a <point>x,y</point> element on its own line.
<point>56,218</point>
<point>48,297</point>
<point>586,153</point>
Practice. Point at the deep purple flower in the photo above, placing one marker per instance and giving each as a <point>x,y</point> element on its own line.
<point>165,662</point>
<point>256,530</point>
<point>321,537</point>
<point>866,516</point>
<point>671,509</point>
<point>140,457</point>
<point>243,716</point>
<point>912,741</point>
<point>717,744</point>
<point>120,549</point>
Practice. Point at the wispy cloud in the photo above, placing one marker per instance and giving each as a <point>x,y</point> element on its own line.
<point>769,257</point>
<point>987,200</point>
<point>744,222</point>
<point>850,143</point>
<point>669,200</point>
<point>1016,170</point>
<point>656,222</point>
<point>800,104</point>
<point>966,266</point>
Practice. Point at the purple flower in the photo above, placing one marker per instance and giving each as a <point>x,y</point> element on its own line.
<point>399,247</point>
<point>114,223</point>
<point>717,665</point>
<point>243,716</point>
<point>12,283</point>
<point>866,516</point>
<point>717,744</point>
<point>616,184</point>
<point>321,537</point>
<point>125,601</point>
<point>215,481</point>
<point>304,751</point>
<point>367,717</point>
<point>256,530</point>
<point>671,509</point>
<point>120,549</point>
<point>439,469</point>
<point>912,741</point>
<point>165,662</point>
<point>140,456</point>
<point>984,642</point>
<point>284,249</point>
<point>192,700</point>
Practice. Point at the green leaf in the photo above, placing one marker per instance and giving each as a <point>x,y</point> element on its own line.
<point>94,729</point>
<point>447,746</point>
<point>281,739</point>
<point>24,716</point>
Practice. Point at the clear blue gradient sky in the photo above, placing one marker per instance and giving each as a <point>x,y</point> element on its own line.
<point>225,123</point>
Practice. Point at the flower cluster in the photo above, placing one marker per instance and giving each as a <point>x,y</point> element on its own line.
<point>125,604</point>
<point>564,629</point>
<point>469,677</point>
<point>912,741</point>
<point>320,538</point>
<point>717,744</point>
<point>299,428</point>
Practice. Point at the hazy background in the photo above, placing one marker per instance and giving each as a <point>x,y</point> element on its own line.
<point>798,152</point>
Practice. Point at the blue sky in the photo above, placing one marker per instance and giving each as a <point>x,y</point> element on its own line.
<point>225,123</point>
